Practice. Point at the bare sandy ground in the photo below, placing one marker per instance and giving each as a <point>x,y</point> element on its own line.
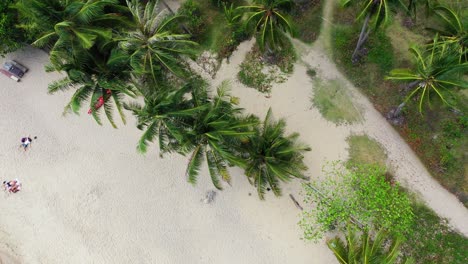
<point>88,197</point>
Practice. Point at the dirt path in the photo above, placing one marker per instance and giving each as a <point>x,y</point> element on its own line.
<point>292,101</point>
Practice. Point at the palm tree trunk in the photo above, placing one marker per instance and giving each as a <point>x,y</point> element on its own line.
<point>362,38</point>
<point>187,31</point>
<point>168,7</point>
<point>394,114</point>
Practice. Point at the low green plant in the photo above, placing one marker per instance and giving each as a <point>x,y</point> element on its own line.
<point>252,72</point>
<point>307,18</point>
<point>358,194</point>
<point>311,72</point>
<point>365,150</point>
<point>432,241</point>
<point>333,101</point>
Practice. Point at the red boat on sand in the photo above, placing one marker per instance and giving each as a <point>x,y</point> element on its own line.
<point>10,75</point>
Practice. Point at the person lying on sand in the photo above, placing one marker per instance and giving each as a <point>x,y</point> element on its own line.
<point>12,186</point>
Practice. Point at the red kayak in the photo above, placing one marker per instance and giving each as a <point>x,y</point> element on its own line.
<point>100,102</point>
<point>10,75</point>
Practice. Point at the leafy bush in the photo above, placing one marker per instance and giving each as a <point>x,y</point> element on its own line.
<point>255,73</point>
<point>192,13</point>
<point>358,194</point>
<point>10,37</point>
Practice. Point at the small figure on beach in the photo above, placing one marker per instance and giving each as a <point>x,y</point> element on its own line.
<point>12,186</point>
<point>26,142</point>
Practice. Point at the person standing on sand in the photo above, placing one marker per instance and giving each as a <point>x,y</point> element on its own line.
<point>26,142</point>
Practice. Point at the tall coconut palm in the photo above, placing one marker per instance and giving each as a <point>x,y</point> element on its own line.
<point>271,156</point>
<point>453,31</point>
<point>268,19</point>
<point>375,13</point>
<point>70,28</point>
<point>164,115</point>
<point>213,135</point>
<point>106,81</point>
<point>366,249</point>
<point>437,71</point>
<point>152,47</point>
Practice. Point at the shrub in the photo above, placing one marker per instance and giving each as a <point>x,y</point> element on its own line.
<point>193,16</point>
<point>358,194</point>
<point>11,38</point>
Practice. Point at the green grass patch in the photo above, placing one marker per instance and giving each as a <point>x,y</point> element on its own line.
<point>307,19</point>
<point>432,241</point>
<point>365,150</point>
<point>332,100</point>
<point>401,38</point>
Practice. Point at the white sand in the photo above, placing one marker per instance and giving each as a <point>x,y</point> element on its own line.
<point>88,197</point>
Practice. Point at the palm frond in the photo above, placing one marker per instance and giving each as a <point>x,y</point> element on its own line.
<point>194,164</point>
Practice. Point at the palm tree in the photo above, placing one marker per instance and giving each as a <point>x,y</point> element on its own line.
<point>164,115</point>
<point>268,20</point>
<point>106,81</point>
<point>70,28</point>
<point>271,156</point>
<point>378,11</point>
<point>214,134</point>
<point>438,71</point>
<point>152,47</point>
<point>366,249</point>
<point>453,31</point>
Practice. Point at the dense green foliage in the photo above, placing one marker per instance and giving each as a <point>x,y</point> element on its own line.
<point>359,194</point>
<point>155,50</point>
<point>374,13</point>
<point>11,37</point>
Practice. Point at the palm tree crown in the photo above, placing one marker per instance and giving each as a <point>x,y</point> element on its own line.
<point>271,156</point>
<point>153,48</point>
<point>438,70</point>
<point>269,21</point>
<point>213,135</point>
<point>366,249</point>
<point>71,27</point>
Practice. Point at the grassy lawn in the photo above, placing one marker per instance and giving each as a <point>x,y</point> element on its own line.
<point>439,135</point>
<point>333,102</point>
<point>432,241</point>
<point>307,19</point>
<point>363,149</point>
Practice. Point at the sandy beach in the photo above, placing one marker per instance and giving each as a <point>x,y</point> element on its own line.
<point>89,197</point>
